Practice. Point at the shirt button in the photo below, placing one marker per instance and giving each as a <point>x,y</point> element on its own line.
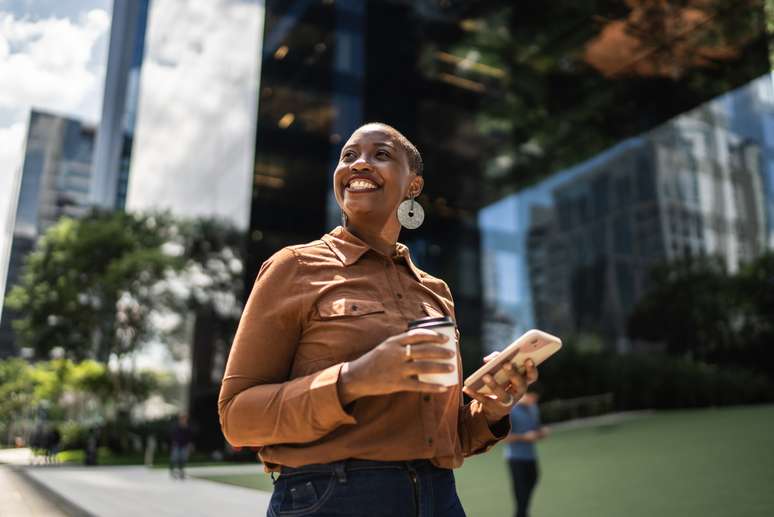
<point>430,441</point>
<point>400,295</point>
<point>426,398</point>
<point>354,307</point>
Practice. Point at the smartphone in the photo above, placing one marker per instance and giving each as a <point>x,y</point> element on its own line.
<point>533,344</point>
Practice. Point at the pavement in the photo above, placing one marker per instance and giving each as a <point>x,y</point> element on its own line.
<point>121,491</point>
<point>19,497</point>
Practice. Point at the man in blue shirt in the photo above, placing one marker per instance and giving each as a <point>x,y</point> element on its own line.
<point>520,451</point>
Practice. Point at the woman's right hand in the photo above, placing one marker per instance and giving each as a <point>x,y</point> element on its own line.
<point>388,368</point>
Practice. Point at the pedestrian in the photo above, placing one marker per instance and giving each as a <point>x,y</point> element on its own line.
<point>179,447</point>
<point>53,440</point>
<point>91,447</point>
<point>323,376</point>
<point>521,452</point>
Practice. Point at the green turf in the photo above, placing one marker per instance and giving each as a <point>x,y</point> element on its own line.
<point>708,463</point>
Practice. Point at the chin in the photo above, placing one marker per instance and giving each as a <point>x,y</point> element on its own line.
<point>365,214</point>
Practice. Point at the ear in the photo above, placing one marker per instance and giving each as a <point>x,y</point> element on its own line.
<point>416,185</point>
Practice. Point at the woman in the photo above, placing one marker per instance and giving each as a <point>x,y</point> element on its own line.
<point>322,375</point>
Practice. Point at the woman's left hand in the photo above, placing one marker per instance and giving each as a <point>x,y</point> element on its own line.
<point>502,398</point>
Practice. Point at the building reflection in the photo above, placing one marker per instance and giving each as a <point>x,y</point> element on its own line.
<point>692,187</point>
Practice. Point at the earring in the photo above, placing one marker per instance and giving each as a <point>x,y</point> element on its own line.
<point>411,215</point>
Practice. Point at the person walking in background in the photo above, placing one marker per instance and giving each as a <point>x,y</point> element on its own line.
<point>53,440</point>
<point>179,446</point>
<point>521,452</point>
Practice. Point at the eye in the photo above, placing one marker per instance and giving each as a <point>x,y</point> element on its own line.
<point>382,154</point>
<point>348,156</point>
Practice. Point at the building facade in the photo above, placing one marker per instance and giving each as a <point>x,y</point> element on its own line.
<point>113,148</point>
<point>568,148</point>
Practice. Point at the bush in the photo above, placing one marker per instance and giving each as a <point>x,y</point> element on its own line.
<point>652,381</point>
<point>74,435</point>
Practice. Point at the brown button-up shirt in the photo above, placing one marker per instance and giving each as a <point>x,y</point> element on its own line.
<point>314,307</point>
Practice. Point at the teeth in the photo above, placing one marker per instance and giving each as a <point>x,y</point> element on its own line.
<point>362,185</point>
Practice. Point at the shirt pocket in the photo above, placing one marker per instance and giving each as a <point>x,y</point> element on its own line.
<point>347,326</point>
<point>347,307</point>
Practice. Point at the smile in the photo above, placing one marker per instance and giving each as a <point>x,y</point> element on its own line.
<point>361,185</point>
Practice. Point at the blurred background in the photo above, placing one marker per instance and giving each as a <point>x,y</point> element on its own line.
<point>602,170</point>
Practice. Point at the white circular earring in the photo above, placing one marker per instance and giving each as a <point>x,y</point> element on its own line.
<point>411,215</point>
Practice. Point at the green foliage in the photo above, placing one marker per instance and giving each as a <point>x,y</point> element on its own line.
<point>85,289</point>
<point>699,310</point>
<point>648,381</point>
<point>73,395</point>
<point>17,389</point>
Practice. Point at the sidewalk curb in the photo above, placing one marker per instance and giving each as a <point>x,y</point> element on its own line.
<point>65,504</point>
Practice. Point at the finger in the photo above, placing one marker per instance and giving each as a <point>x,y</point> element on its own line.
<point>498,390</point>
<point>531,372</point>
<point>428,351</point>
<point>490,356</point>
<point>423,367</point>
<point>420,336</point>
<point>425,387</point>
<point>474,394</point>
<point>516,380</point>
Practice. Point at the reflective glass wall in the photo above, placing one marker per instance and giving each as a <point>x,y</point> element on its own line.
<point>569,147</point>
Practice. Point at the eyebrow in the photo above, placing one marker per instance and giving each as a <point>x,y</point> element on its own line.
<point>384,143</point>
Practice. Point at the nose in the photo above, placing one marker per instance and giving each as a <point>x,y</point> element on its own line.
<point>361,164</point>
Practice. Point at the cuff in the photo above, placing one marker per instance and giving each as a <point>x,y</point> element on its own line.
<point>324,395</point>
<point>483,436</point>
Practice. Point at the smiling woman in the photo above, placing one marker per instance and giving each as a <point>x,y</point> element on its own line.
<point>323,376</point>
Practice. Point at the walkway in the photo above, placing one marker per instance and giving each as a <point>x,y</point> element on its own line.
<point>137,490</point>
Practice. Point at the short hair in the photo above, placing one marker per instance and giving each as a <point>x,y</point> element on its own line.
<point>412,153</point>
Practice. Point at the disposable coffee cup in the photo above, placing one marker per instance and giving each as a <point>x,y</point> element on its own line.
<point>442,325</point>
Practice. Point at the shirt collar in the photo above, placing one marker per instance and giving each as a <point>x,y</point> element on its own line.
<point>348,248</point>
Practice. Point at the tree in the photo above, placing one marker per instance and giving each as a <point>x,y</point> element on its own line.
<point>701,311</point>
<point>86,288</point>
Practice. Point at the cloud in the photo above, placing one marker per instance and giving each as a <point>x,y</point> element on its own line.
<point>194,138</point>
<point>48,63</point>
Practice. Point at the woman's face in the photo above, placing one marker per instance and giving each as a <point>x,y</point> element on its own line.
<point>373,176</point>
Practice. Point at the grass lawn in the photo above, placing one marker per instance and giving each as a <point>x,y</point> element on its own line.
<point>708,463</point>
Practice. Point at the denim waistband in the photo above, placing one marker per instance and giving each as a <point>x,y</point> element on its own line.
<point>353,465</point>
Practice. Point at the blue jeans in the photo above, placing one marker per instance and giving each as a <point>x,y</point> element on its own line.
<point>366,488</point>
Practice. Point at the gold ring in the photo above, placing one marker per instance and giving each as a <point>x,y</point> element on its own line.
<point>509,402</point>
<point>408,352</point>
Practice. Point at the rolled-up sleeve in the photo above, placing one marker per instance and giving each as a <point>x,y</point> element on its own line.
<point>258,405</point>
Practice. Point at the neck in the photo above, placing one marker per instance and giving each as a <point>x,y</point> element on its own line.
<point>380,239</point>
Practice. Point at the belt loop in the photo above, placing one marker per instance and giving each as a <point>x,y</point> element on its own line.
<point>341,473</point>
